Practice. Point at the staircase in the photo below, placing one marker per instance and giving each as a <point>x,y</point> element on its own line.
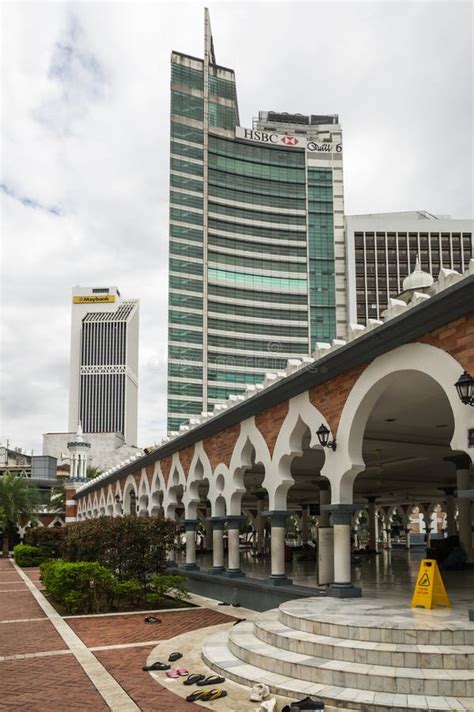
<point>368,654</point>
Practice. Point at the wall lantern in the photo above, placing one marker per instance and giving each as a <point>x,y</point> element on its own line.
<point>117,499</point>
<point>323,437</point>
<point>465,388</point>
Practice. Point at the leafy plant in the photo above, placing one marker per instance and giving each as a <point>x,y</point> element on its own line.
<point>25,555</point>
<point>166,585</point>
<point>19,502</point>
<point>49,540</point>
<point>81,587</point>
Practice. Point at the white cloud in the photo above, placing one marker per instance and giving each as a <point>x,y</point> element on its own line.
<point>85,93</point>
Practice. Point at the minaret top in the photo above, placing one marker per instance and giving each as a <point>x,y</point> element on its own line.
<point>417,279</point>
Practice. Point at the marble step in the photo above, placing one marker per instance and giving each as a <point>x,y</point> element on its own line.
<point>247,647</point>
<point>269,629</point>
<point>375,621</point>
<point>218,657</point>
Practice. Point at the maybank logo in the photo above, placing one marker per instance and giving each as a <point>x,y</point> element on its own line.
<point>94,299</point>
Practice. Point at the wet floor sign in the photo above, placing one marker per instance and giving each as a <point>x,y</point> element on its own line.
<point>429,589</point>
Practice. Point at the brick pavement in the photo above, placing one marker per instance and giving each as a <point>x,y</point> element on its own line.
<point>58,682</point>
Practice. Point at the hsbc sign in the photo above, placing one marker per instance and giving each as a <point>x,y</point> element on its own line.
<point>275,139</point>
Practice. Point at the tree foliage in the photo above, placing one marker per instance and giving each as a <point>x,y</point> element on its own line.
<point>18,501</point>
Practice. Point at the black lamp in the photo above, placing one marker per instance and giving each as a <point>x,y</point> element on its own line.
<point>323,437</point>
<point>465,388</point>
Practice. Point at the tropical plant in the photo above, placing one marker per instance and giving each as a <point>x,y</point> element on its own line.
<point>82,586</point>
<point>25,555</point>
<point>92,472</point>
<point>57,500</point>
<point>19,502</point>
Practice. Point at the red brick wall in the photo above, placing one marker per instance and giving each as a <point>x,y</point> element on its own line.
<point>330,397</point>
<point>270,421</point>
<point>457,338</point>
<point>165,468</point>
<point>149,470</point>
<point>219,447</point>
<point>185,456</point>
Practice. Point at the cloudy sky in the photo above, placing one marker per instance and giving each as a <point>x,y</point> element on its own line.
<point>85,109</point>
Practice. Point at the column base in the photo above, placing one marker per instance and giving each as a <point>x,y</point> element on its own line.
<point>233,573</point>
<point>217,570</point>
<point>343,590</point>
<point>191,567</point>
<point>279,580</point>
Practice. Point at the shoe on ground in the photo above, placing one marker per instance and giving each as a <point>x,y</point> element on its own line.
<point>259,692</point>
<point>311,704</point>
<point>268,706</point>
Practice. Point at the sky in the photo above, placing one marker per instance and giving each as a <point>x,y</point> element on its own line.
<point>85,152</point>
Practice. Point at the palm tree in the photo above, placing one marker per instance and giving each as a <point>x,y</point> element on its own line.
<point>18,502</point>
<point>93,472</point>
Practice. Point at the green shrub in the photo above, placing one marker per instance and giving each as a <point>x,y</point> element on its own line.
<point>81,587</point>
<point>164,585</point>
<point>49,539</point>
<point>131,592</point>
<point>28,555</point>
<point>131,547</point>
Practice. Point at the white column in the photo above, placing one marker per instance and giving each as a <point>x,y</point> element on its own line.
<point>450,511</point>
<point>463,478</point>
<point>260,524</point>
<point>372,514</point>
<point>233,552</point>
<point>208,536</point>
<point>342,586</point>
<point>278,524</point>
<point>324,499</point>
<point>217,545</point>
<point>305,525</point>
<point>190,526</point>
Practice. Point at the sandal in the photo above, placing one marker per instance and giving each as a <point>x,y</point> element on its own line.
<point>211,680</point>
<point>213,695</point>
<point>173,674</point>
<point>182,672</point>
<point>156,666</point>
<point>152,619</point>
<point>195,696</point>
<point>192,679</point>
<point>174,656</point>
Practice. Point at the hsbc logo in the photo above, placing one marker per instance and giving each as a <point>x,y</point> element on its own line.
<point>289,140</point>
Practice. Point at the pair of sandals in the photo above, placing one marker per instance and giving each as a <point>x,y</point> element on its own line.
<point>163,666</point>
<point>178,672</point>
<point>208,696</point>
<point>311,704</point>
<point>201,680</point>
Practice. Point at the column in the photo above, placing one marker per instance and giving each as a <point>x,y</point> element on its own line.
<point>190,528</point>
<point>260,524</point>
<point>71,504</point>
<point>464,514</point>
<point>305,525</point>
<point>341,519</point>
<point>208,536</point>
<point>278,523</point>
<point>450,510</point>
<point>372,514</point>
<point>217,524</point>
<point>233,553</point>
<point>324,500</point>
<point>427,521</point>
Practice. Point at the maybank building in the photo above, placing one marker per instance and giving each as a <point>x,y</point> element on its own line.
<point>257,258</point>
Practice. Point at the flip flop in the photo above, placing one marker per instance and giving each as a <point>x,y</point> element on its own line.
<point>241,620</point>
<point>195,696</point>
<point>211,680</point>
<point>213,695</point>
<point>182,672</point>
<point>174,656</point>
<point>156,666</point>
<point>193,679</point>
<point>172,673</point>
<point>152,619</point>
<point>223,604</point>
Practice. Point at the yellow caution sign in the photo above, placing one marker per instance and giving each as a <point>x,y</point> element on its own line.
<point>429,589</point>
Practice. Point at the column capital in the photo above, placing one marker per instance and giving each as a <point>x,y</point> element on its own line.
<point>461,461</point>
<point>234,521</point>
<point>278,517</point>
<point>217,523</point>
<point>260,496</point>
<point>190,524</point>
<point>341,513</point>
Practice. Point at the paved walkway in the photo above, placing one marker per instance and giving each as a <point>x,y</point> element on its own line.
<point>49,663</point>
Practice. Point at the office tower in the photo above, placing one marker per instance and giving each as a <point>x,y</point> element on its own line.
<point>104,363</point>
<point>257,257</point>
<point>382,249</point>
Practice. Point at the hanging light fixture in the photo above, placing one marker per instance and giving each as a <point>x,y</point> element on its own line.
<point>323,436</point>
<point>465,388</point>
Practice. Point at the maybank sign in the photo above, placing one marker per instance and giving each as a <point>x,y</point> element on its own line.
<point>287,140</point>
<point>94,299</point>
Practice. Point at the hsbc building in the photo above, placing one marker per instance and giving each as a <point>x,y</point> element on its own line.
<point>257,256</point>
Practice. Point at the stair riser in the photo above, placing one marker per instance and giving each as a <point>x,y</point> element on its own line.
<point>447,661</point>
<point>286,692</point>
<point>378,635</point>
<point>366,681</point>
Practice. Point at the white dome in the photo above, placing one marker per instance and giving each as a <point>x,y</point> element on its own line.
<point>417,279</point>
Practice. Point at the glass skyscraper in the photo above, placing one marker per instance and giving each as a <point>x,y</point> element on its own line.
<point>257,258</point>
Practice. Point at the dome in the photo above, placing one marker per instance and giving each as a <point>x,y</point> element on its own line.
<point>417,279</point>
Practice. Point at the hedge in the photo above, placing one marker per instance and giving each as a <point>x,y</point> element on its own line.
<point>25,555</point>
<point>131,547</point>
<point>49,539</point>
